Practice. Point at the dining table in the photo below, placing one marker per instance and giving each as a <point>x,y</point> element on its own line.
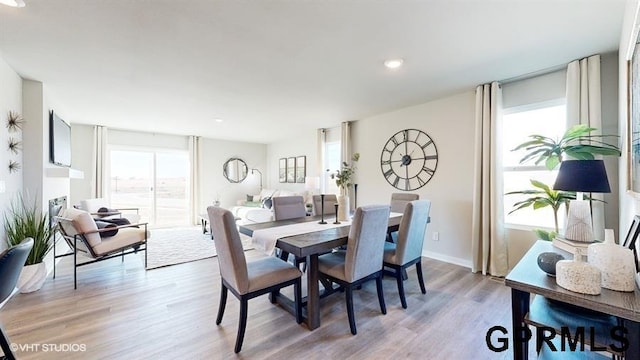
<point>309,243</point>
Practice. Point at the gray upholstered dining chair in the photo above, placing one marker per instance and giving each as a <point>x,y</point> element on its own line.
<point>329,201</point>
<point>247,280</point>
<point>362,261</point>
<point>288,207</point>
<point>408,248</point>
<point>398,202</point>
<point>11,263</point>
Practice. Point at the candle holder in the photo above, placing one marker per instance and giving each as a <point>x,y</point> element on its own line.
<point>322,210</point>
<point>336,222</point>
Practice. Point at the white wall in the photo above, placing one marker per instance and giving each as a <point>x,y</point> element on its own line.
<point>303,144</point>
<point>10,100</point>
<point>450,123</point>
<point>81,159</point>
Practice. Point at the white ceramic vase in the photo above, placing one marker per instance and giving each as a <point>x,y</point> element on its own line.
<point>578,276</point>
<point>343,208</point>
<point>32,277</point>
<point>615,262</point>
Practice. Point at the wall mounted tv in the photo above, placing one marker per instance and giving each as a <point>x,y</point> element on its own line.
<point>59,141</point>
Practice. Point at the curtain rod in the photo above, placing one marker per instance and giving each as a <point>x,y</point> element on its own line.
<point>533,74</point>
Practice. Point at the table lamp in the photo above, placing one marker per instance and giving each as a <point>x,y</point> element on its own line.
<point>581,176</point>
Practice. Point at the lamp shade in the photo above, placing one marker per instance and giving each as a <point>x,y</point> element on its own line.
<point>582,175</point>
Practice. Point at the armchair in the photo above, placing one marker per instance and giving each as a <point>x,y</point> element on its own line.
<point>82,235</point>
<point>93,205</point>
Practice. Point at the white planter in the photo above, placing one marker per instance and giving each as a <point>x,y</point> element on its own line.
<point>32,277</point>
<point>343,208</point>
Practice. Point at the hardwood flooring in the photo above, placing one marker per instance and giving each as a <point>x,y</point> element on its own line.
<point>121,311</point>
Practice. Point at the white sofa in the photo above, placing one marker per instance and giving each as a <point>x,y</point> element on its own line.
<point>256,210</point>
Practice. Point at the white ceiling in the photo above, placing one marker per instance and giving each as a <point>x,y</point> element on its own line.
<point>270,69</point>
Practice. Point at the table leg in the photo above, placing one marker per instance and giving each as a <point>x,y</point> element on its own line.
<point>519,309</point>
<point>313,293</point>
<point>633,336</point>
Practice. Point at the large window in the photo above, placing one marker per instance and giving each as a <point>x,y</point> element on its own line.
<point>547,119</point>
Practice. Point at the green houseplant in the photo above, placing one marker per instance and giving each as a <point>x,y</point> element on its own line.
<point>578,143</point>
<point>26,221</point>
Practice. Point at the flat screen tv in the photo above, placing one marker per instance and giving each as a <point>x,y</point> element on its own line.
<point>59,141</point>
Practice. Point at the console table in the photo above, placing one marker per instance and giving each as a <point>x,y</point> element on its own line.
<point>527,278</point>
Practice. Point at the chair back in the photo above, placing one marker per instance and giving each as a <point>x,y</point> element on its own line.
<point>233,265</point>
<point>329,202</point>
<point>74,222</point>
<point>288,207</point>
<point>92,205</point>
<point>365,246</point>
<point>11,262</point>
<point>412,230</point>
<point>400,200</point>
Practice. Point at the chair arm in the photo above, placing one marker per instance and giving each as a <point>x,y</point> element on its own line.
<point>113,228</point>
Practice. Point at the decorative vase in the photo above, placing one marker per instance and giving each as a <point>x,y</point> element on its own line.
<point>615,262</point>
<point>547,262</point>
<point>578,276</point>
<point>32,277</point>
<point>343,208</point>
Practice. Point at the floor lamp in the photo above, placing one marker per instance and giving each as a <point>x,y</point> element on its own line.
<point>581,176</point>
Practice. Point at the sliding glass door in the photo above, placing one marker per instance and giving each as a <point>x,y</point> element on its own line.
<point>155,181</point>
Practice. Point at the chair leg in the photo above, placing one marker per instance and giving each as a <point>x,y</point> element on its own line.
<point>223,303</point>
<point>75,266</point>
<point>399,280</point>
<point>6,348</point>
<point>420,278</point>
<point>242,323</point>
<point>122,255</point>
<point>297,288</point>
<point>383,307</point>
<point>352,320</point>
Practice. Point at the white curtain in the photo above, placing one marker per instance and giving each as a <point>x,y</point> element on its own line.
<point>195,160</point>
<point>100,173</point>
<point>489,248</point>
<point>584,107</point>
<point>346,152</point>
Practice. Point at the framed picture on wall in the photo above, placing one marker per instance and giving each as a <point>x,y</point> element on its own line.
<point>291,170</point>
<point>282,170</point>
<point>301,168</point>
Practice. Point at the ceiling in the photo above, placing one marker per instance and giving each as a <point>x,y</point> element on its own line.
<point>272,69</point>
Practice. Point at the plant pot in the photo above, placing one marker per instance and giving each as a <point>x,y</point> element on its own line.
<point>32,277</point>
<point>343,208</point>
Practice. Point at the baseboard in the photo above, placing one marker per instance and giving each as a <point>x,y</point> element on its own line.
<point>449,259</point>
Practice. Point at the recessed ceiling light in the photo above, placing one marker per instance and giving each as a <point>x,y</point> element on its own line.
<point>218,120</point>
<point>13,3</point>
<point>393,63</point>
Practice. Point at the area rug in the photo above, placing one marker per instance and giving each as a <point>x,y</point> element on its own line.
<point>181,245</point>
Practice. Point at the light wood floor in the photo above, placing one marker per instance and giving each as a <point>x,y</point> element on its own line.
<point>121,311</point>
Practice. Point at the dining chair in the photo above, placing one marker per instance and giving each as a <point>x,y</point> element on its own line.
<point>288,207</point>
<point>408,248</point>
<point>362,261</point>
<point>329,204</point>
<point>247,280</point>
<point>398,203</point>
<point>11,263</point>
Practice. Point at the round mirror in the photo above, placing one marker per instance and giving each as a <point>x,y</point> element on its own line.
<point>235,170</point>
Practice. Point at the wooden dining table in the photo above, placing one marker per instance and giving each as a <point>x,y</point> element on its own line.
<point>309,245</point>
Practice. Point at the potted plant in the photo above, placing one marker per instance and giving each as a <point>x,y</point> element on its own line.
<point>344,179</point>
<point>578,143</point>
<point>26,221</point>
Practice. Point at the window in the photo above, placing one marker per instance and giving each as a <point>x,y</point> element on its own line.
<point>331,148</point>
<point>547,119</point>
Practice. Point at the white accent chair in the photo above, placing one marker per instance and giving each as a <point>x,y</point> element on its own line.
<point>362,261</point>
<point>83,237</point>
<point>247,280</point>
<point>93,205</point>
<point>408,248</point>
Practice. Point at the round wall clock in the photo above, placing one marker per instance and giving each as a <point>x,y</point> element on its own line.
<point>409,159</point>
